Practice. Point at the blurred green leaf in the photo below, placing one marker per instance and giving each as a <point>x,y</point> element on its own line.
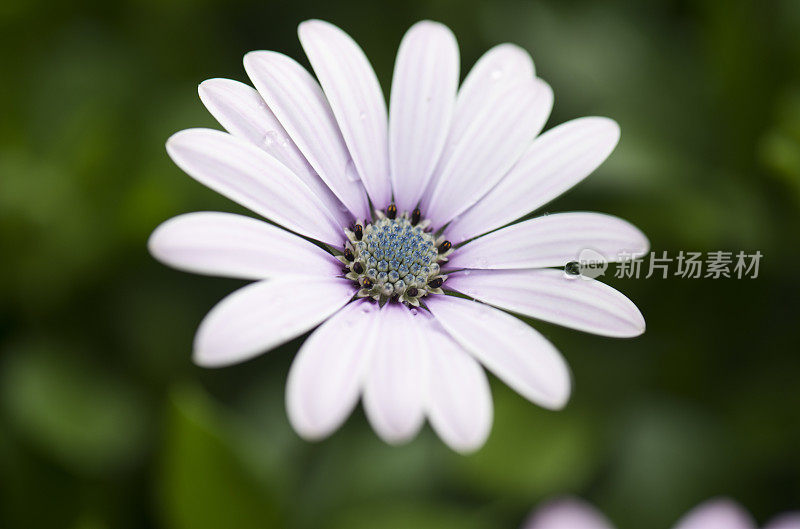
<point>88,419</point>
<point>405,515</point>
<point>204,485</point>
<point>667,456</point>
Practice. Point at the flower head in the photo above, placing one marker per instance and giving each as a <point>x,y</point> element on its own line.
<point>713,514</point>
<point>391,235</point>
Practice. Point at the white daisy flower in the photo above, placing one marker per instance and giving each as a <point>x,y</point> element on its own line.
<point>719,513</point>
<point>384,215</point>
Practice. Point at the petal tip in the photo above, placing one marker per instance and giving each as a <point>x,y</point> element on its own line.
<point>155,243</point>
<point>311,23</point>
<point>558,402</point>
<point>638,325</point>
<point>466,448</point>
<point>251,58</point>
<point>206,359</point>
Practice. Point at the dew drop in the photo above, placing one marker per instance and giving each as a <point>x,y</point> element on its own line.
<point>573,268</point>
<point>271,138</point>
<point>350,171</point>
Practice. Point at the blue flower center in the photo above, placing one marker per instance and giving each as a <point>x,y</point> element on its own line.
<point>395,258</point>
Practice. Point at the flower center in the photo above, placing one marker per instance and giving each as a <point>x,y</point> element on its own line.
<point>394,257</point>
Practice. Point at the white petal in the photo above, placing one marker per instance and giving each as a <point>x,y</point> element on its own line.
<point>395,385</point>
<point>785,521</point>
<point>501,67</point>
<point>263,315</point>
<point>325,378</point>
<point>512,350</point>
<point>241,110</point>
<point>487,148</point>
<point>549,295</point>
<point>553,240</point>
<point>556,161</point>
<point>244,173</point>
<point>459,399</point>
<point>422,101</point>
<point>300,105</point>
<point>567,514</point>
<point>496,72</point>
<point>717,514</point>
<point>228,245</point>
<point>355,96</point>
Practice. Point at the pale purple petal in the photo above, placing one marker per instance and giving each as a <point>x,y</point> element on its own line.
<point>246,174</point>
<point>325,379</point>
<point>567,514</point>
<point>263,315</point>
<point>501,67</point>
<point>394,390</point>
<point>298,102</point>
<point>790,520</point>
<point>717,514</point>
<point>512,350</point>
<point>556,161</point>
<point>228,245</point>
<point>241,110</point>
<point>487,149</point>
<point>550,295</point>
<point>459,401</point>
<point>422,101</point>
<point>553,240</point>
<point>496,72</point>
<point>355,96</point>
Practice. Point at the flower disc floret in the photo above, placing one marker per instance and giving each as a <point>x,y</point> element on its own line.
<point>395,257</point>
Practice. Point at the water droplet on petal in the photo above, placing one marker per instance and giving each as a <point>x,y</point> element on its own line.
<point>350,171</point>
<point>271,138</point>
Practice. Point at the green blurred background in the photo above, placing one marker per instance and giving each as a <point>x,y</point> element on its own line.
<point>104,421</point>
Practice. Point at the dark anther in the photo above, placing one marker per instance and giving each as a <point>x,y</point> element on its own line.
<point>348,254</point>
<point>357,268</point>
<point>573,268</point>
<point>436,283</point>
<point>415,216</point>
<point>412,292</point>
<point>391,211</point>
<point>359,231</point>
<point>367,283</point>
<point>345,270</point>
<point>444,246</point>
